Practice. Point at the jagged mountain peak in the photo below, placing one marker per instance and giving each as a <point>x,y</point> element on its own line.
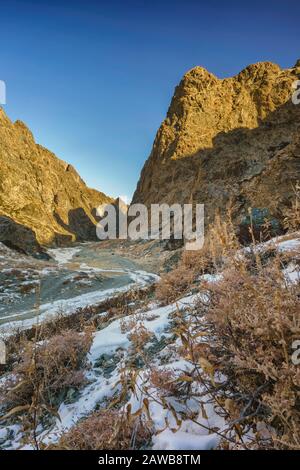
<point>226,139</point>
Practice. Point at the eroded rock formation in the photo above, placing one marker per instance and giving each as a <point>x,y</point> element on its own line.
<point>234,140</point>
<point>41,193</point>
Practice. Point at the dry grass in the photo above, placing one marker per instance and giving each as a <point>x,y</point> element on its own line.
<point>174,284</point>
<point>255,319</point>
<point>220,245</point>
<point>46,371</point>
<point>118,306</point>
<point>245,331</point>
<point>130,322</point>
<point>139,337</point>
<point>292,214</point>
<point>165,381</point>
<point>105,430</point>
<point>252,320</point>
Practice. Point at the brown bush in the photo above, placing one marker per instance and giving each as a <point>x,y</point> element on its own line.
<point>220,244</point>
<point>130,322</point>
<point>292,213</point>
<point>105,430</point>
<point>46,371</point>
<point>27,288</point>
<point>174,284</point>
<point>139,337</point>
<point>251,322</point>
<point>255,319</point>
<point>165,381</point>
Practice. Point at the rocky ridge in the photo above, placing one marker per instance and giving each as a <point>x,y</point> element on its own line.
<point>227,141</point>
<point>43,200</point>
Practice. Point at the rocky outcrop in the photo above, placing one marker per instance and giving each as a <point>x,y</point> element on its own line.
<point>21,239</point>
<point>41,193</point>
<point>227,141</point>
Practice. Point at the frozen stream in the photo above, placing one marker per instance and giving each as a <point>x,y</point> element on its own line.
<point>75,277</point>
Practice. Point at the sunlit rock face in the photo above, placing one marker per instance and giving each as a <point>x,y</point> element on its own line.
<point>227,141</point>
<point>41,192</point>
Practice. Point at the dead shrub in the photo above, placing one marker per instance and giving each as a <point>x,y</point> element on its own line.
<point>292,214</point>
<point>220,244</point>
<point>106,430</point>
<point>251,322</point>
<point>45,372</point>
<point>165,381</point>
<point>27,288</point>
<point>129,323</point>
<point>254,320</point>
<point>175,284</point>
<point>139,337</point>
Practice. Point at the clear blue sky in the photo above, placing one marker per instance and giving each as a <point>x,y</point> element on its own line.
<point>93,79</point>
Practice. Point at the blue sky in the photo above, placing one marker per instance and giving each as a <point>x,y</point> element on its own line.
<point>93,79</point>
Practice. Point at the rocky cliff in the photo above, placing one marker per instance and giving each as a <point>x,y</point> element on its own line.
<point>234,140</point>
<point>42,199</point>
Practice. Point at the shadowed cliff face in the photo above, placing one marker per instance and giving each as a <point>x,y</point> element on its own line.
<point>234,141</point>
<point>42,192</point>
<point>20,238</point>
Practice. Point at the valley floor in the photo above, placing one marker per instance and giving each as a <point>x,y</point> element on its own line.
<point>139,366</point>
<point>32,290</point>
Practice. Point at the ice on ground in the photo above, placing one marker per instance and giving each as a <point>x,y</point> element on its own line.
<point>100,389</point>
<point>63,255</point>
<point>211,278</point>
<point>135,276</point>
<point>280,243</point>
<point>111,338</point>
<point>168,440</point>
<point>107,341</point>
<point>200,433</point>
<point>288,245</point>
<point>292,273</point>
<point>69,306</point>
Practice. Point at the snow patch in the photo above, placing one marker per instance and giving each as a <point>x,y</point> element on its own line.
<point>63,255</point>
